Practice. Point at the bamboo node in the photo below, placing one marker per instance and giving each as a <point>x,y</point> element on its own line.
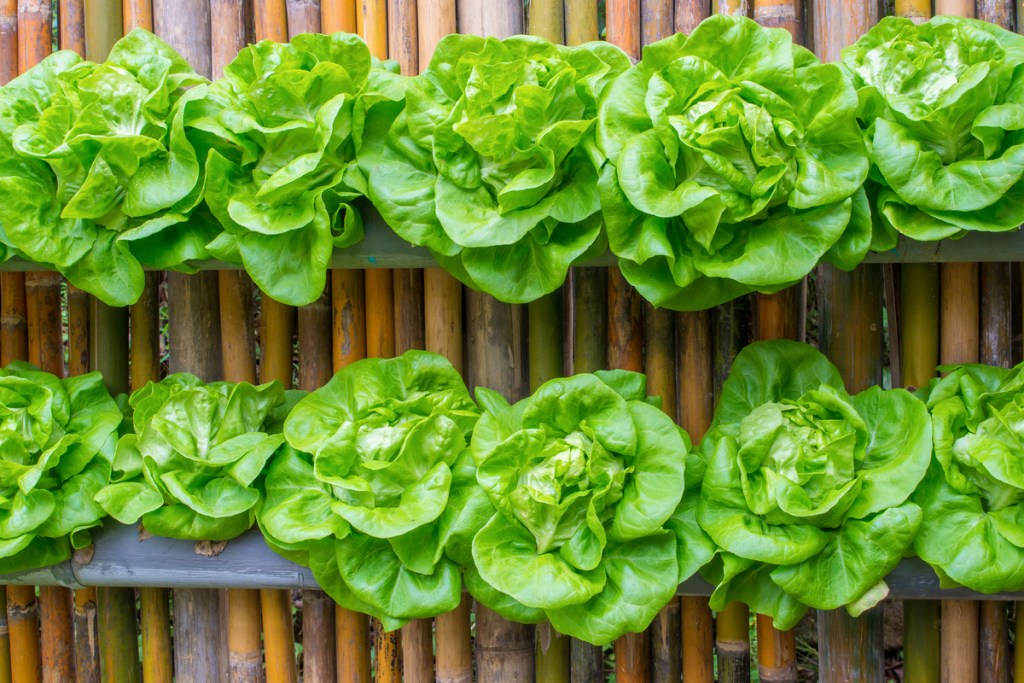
<point>785,673</point>
<point>738,646</point>
<point>8,24</point>
<point>210,548</point>
<point>17,611</point>
<point>775,16</point>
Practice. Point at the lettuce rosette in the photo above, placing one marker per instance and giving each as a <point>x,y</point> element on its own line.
<point>807,489</point>
<point>973,494</point>
<point>376,493</point>
<point>97,175</point>
<point>489,161</point>
<point>586,477</point>
<point>942,104</point>
<point>191,468</point>
<point>734,163</point>
<point>282,127</point>
<point>57,439</point>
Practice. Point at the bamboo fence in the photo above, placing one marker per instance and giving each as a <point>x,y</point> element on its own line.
<point>956,312</point>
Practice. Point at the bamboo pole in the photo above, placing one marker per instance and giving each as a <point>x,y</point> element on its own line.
<point>996,327</point>
<point>850,647</point>
<point>959,343</point>
<point>739,8</point>
<point>442,319</point>
<point>277,333</point>
<point>546,18</point>
<point>115,620</point>
<point>137,14</point>
<point>348,313</point>
<point>372,22</point>
<point>17,603</point>
<point>87,663</point>
<point>154,611</point>
<point>625,348</point>
<point>71,32</point>
<point>689,13</point>
<point>42,296</point>
<point>496,357</point>
<point>229,22</point>
<point>319,652</point>
<point>696,405</point>
<point>200,652</point>
<point>695,380</point>
<point>660,656</point>
<point>19,618</point>
<point>919,334</point>
<point>917,10</point>
<point>589,352</point>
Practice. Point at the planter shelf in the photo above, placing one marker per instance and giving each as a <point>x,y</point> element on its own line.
<point>119,558</point>
<point>382,248</point>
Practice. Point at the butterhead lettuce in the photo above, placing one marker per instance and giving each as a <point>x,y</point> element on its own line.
<point>489,160</point>
<point>942,104</point>
<point>57,439</point>
<point>97,175</point>
<point>191,468</point>
<point>585,477</point>
<point>282,128</point>
<point>807,489</point>
<point>734,164</point>
<point>973,495</point>
<point>376,492</point>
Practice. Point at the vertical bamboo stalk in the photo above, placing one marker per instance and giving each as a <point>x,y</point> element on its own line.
<point>1000,12</point>
<point>851,648</point>
<point>695,380</point>
<point>919,334</point>
<point>918,10</point>
<point>137,14</point>
<point>155,606</point>
<point>689,13</point>
<point>959,8</point>
<point>546,18</point>
<point>278,331</point>
<point>590,336</point>
<point>442,319</point>
<point>200,653</point>
<point>625,348</point>
<point>42,291</point>
<point>19,628</point>
<point>71,25</point>
<point>787,14</point>
<point>739,8</point>
<point>348,312</point>
<point>319,650</point>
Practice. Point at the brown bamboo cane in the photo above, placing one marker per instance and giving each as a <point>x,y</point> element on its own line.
<point>739,8</point>
<point>996,349</point>
<point>201,651</point>
<point>547,18</point>
<point>778,317</point>
<point>442,296</point>
<point>71,33</point>
<point>496,357</point>
<point>372,22</point>
<point>917,10</point>
<point>693,342</point>
<point>42,292</point>
<point>13,346</point>
<point>319,652</point>
<point>117,631</point>
<point>852,337</point>
<point>589,320</point>
<point>231,23</point>
<point>695,380</point>
<point>417,637</point>
<point>689,13</point>
<point>657,21</point>
<point>730,322</point>
<point>277,333</point>
<point>919,335</point>
<point>959,343</point>
<point>625,346</point>
<point>348,312</point>
<point>154,603</point>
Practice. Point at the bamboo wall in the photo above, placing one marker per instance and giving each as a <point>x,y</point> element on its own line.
<point>953,313</point>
